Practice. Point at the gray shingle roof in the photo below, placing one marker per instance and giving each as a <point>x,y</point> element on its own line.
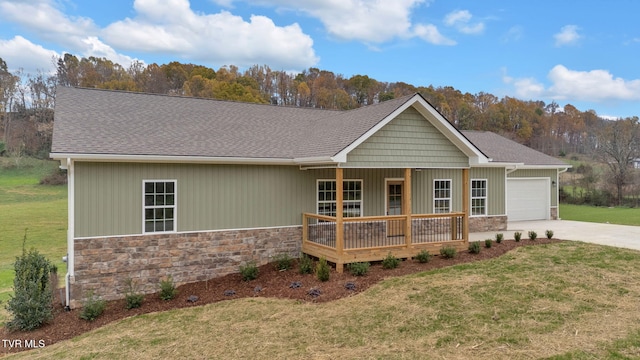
<point>501,149</point>
<point>106,122</point>
<point>92,121</point>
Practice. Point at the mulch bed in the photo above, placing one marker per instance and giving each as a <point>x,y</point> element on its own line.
<point>270,283</point>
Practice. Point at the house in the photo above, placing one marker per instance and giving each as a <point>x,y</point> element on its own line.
<point>193,188</point>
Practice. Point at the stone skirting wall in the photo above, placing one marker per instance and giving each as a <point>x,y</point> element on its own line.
<point>554,213</point>
<point>487,223</point>
<point>103,264</point>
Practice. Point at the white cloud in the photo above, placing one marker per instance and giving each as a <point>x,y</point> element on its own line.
<point>568,35</point>
<point>223,38</point>
<point>21,53</point>
<point>594,85</point>
<point>572,85</point>
<point>430,34</point>
<point>514,33</point>
<point>460,19</point>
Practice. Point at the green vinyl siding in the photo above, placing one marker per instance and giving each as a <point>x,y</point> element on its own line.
<point>409,140</point>
<point>551,174</point>
<point>422,189</point>
<point>495,177</point>
<point>108,196</point>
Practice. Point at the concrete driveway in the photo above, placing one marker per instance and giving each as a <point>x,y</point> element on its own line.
<point>622,236</point>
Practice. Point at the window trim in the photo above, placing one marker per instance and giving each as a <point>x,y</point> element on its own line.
<point>361,201</point>
<point>174,206</point>
<point>449,199</point>
<point>485,197</point>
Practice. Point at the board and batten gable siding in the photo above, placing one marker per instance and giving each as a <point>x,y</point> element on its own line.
<point>496,192</point>
<point>551,174</point>
<point>108,197</point>
<point>411,141</point>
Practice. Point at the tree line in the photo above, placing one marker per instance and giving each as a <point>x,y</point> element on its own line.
<point>27,116</point>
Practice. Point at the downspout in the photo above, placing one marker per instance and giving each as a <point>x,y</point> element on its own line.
<point>70,231</point>
<point>558,192</point>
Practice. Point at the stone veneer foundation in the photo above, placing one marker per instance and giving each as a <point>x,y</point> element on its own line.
<point>103,264</point>
<point>487,223</point>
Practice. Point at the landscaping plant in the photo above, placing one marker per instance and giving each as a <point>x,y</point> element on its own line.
<point>423,256</point>
<point>488,243</point>
<point>92,307</point>
<point>323,270</point>
<point>132,297</point>
<point>305,264</point>
<point>474,247</point>
<point>249,271</point>
<point>549,234</point>
<point>168,289</point>
<point>499,238</point>
<point>31,303</point>
<point>533,235</point>
<point>448,252</point>
<point>283,261</point>
<point>517,235</point>
<point>359,268</point>
<point>390,262</point>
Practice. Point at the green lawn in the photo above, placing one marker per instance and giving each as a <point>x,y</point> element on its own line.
<point>568,300</point>
<point>40,210</point>
<point>621,216</point>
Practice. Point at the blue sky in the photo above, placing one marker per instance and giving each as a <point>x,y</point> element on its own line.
<point>585,53</point>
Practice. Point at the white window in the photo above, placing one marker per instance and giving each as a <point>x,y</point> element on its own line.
<point>159,205</point>
<point>478,197</point>
<point>352,198</point>
<point>441,196</point>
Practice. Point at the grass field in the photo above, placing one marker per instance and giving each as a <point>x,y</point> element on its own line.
<point>39,210</point>
<point>621,216</point>
<point>562,301</point>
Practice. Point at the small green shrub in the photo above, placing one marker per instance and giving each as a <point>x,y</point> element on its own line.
<point>323,270</point>
<point>31,303</point>
<point>390,262</point>
<point>305,264</point>
<point>132,297</point>
<point>283,261</point>
<point>92,307</point>
<point>549,234</point>
<point>488,243</point>
<point>474,247</point>
<point>517,236</point>
<point>499,237</point>
<point>532,235</point>
<point>168,289</point>
<point>448,252</point>
<point>423,256</point>
<point>249,271</point>
<point>359,268</point>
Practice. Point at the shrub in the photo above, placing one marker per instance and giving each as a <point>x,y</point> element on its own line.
<point>390,262</point>
<point>31,303</point>
<point>92,307</point>
<point>448,252</point>
<point>168,289</point>
<point>549,234</point>
<point>532,235</point>
<point>474,247</point>
<point>323,270</point>
<point>283,261</point>
<point>56,177</point>
<point>517,235</point>
<point>499,238</point>
<point>488,243</point>
<point>359,268</point>
<point>305,264</point>
<point>132,297</point>
<point>249,271</point>
<point>423,256</point>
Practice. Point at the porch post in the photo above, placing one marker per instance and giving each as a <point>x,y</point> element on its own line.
<point>465,205</point>
<point>339,222</point>
<point>407,206</point>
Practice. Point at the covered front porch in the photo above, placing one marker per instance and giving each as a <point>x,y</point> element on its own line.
<point>344,238</point>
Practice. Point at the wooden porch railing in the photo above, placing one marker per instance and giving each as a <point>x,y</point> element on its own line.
<point>371,238</point>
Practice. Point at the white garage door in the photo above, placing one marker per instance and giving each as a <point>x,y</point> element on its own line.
<point>528,199</point>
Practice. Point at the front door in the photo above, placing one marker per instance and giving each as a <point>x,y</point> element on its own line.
<point>395,192</point>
